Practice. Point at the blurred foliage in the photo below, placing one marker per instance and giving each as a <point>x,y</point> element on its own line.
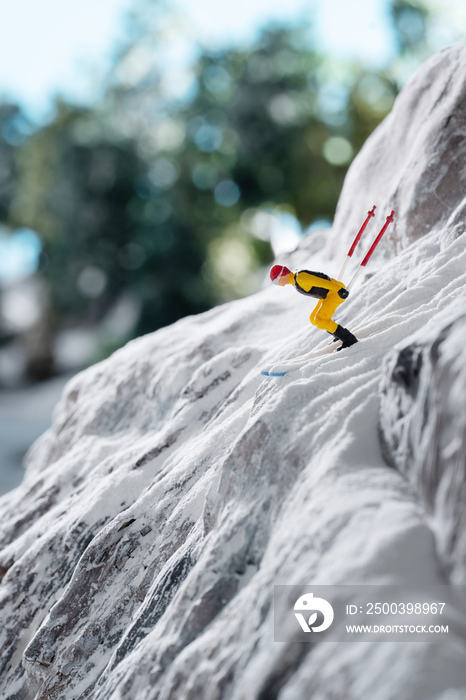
<point>410,20</point>
<point>12,123</point>
<point>104,224</point>
<point>151,197</point>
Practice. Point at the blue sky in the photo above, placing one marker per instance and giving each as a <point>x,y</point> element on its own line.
<point>54,46</point>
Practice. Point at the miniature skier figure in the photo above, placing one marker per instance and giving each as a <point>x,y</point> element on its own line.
<point>330,292</point>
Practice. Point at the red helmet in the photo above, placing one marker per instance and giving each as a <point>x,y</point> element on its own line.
<point>278,271</point>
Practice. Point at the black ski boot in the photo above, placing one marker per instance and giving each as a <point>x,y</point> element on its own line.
<point>346,336</point>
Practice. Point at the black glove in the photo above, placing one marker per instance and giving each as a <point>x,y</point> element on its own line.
<point>343,293</point>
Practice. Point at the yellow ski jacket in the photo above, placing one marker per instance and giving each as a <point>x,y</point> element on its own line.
<point>316,284</point>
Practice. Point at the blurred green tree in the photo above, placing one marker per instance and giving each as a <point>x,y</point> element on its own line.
<point>103,222</point>
<point>410,20</point>
<point>269,128</point>
<point>14,128</point>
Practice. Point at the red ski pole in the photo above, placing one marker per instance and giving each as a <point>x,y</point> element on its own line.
<point>356,241</point>
<point>372,248</point>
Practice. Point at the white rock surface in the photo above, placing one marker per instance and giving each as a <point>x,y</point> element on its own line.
<point>177,485</point>
<point>423,428</point>
<point>414,162</point>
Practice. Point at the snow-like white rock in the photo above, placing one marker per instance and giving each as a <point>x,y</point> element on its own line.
<point>414,162</point>
<point>177,485</point>
<point>423,427</point>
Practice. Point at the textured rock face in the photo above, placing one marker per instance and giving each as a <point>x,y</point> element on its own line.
<point>177,486</point>
<point>414,162</point>
<point>423,428</point>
